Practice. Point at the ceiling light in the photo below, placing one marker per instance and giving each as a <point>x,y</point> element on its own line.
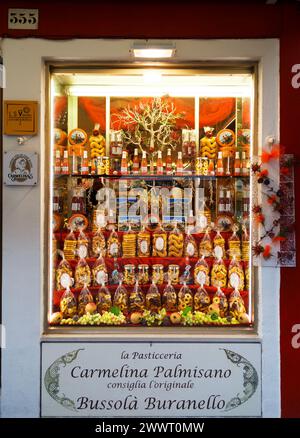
<point>153,51</point>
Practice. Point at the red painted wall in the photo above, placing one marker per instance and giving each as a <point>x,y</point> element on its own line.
<point>200,19</point>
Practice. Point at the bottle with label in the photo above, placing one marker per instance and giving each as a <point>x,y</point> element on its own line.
<point>221,204</point>
<point>65,164</point>
<point>227,166</point>
<point>119,141</point>
<point>136,163</point>
<point>57,201</point>
<point>220,166</point>
<point>78,201</point>
<point>113,143</point>
<point>245,165</point>
<point>144,167</point>
<point>159,164</point>
<point>124,163</point>
<point>179,164</point>
<point>192,144</point>
<point>85,164</point>
<point>228,203</point>
<point>191,222</point>
<point>237,164</point>
<point>211,168</point>
<point>185,141</point>
<point>246,202</point>
<point>57,163</point>
<point>169,169</point>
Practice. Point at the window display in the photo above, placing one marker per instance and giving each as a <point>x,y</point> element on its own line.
<point>150,199</point>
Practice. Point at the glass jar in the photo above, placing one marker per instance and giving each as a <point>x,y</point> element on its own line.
<point>158,274</point>
<point>129,274</point>
<point>143,274</point>
<point>173,274</point>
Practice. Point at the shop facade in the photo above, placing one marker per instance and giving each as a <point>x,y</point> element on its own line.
<point>26,296</point>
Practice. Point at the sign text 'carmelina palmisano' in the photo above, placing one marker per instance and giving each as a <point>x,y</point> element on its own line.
<point>151,379</point>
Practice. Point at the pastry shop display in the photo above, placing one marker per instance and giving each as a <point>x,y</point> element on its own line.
<point>129,274</point>
<point>121,298</point>
<point>159,243</point>
<point>185,298</point>
<point>153,298</point>
<point>169,298</point>
<point>151,228</point>
<point>85,297</point>
<point>158,273</point>
<point>201,300</point>
<point>68,305</point>
<point>175,243</point>
<point>136,299</point>
<point>201,272</point>
<point>143,243</point>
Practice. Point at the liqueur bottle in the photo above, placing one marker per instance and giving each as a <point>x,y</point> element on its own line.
<point>124,163</point>
<point>220,167</point>
<point>159,164</point>
<point>144,168</point>
<point>169,163</point>
<point>179,164</point>
<point>237,164</point>
<point>136,163</point>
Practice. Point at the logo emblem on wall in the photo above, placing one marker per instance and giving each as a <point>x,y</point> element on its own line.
<point>20,168</point>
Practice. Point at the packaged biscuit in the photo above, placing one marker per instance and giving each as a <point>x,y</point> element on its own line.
<point>218,275</point>
<point>63,273</point>
<point>159,243</point>
<point>83,275</point>
<point>236,304</point>
<point>129,244</point>
<point>113,245</point>
<point>234,244</point>
<point>219,304</point>
<point>104,302</point>
<point>83,243</point>
<point>175,243</point>
<point>98,243</point>
<point>201,300</point>
<point>158,273</point>
<point>201,272</point>
<point>190,246</point>
<point>236,278</point>
<point>206,247</point>
<point>185,298</point>
<point>169,298</point>
<point>143,243</point>
<point>68,306</point>
<point>99,271</point>
<point>153,298</point>
<point>219,244</point>
<point>85,297</point>
<point>70,245</point>
<point>129,274</point>
<point>136,299</point>
<point>121,298</point>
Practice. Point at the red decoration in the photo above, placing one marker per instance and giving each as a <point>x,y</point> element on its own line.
<point>273,154</point>
<point>267,252</point>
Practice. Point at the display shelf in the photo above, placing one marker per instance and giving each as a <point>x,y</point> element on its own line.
<point>155,177</point>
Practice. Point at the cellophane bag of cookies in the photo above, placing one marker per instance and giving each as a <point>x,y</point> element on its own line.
<point>236,304</point>
<point>143,243</point>
<point>185,298</point>
<point>234,245</point>
<point>83,276</point>
<point>83,243</point>
<point>113,245</point>
<point>201,272</point>
<point>201,299</point>
<point>99,271</point>
<point>153,298</point>
<point>137,299</point>
<point>190,246</point>
<point>68,305</point>
<point>70,245</point>
<point>98,243</point>
<point>169,298</point>
<point>85,297</point>
<point>121,298</point>
<point>129,244</point>
<point>175,243</point>
<point>104,301</point>
<point>159,245</point>
<point>63,270</point>
<point>219,303</point>
<point>236,278</point>
<point>219,243</point>
<point>206,247</point>
<point>218,275</point>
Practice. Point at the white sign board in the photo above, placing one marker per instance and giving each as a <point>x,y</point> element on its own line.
<point>20,168</point>
<point>151,379</point>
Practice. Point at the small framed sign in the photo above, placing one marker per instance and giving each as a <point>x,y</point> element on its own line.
<point>20,168</point>
<point>20,117</point>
